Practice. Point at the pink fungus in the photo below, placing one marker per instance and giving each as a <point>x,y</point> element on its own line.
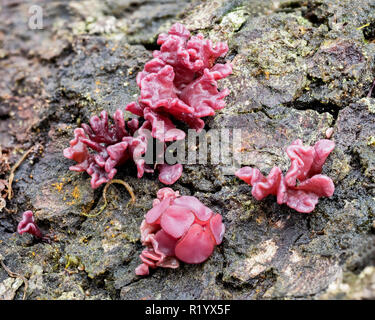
<point>111,146</point>
<point>178,228</point>
<point>302,185</point>
<point>169,174</point>
<point>28,225</point>
<point>181,82</point>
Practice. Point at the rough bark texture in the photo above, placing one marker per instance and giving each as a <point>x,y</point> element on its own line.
<point>300,67</point>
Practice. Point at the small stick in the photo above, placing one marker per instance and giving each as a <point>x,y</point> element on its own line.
<point>13,169</point>
<point>364,26</point>
<point>15,275</point>
<point>126,185</point>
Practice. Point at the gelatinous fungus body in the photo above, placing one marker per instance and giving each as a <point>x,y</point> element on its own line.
<point>179,83</point>
<point>178,228</point>
<point>28,225</point>
<point>113,145</point>
<point>302,185</point>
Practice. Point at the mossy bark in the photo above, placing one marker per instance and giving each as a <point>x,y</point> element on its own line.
<point>300,67</point>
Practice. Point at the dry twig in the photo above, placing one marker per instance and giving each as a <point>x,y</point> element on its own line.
<point>126,185</point>
<point>13,169</point>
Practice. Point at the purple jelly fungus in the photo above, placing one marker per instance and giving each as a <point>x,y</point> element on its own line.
<point>179,83</point>
<point>178,228</point>
<point>28,225</point>
<point>302,185</point>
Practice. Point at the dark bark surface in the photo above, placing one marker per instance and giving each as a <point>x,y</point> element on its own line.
<point>300,67</point>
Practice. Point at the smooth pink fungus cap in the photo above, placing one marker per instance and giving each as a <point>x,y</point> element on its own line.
<point>166,242</point>
<point>142,270</point>
<point>217,228</point>
<point>201,211</point>
<point>154,214</point>
<point>176,221</point>
<point>322,150</point>
<point>196,246</point>
<point>169,174</point>
<point>178,228</point>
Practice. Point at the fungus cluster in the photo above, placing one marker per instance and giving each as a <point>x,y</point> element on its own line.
<point>178,228</point>
<point>112,144</point>
<point>302,185</point>
<point>179,83</point>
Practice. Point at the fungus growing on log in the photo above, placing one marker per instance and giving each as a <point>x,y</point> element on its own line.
<point>302,185</point>
<point>178,228</point>
<point>112,146</point>
<point>180,83</point>
<point>28,225</point>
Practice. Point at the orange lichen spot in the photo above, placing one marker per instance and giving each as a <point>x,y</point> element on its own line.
<point>98,83</point>
<point>70,203</point>
<point>267,74</point>
<point>33,253</point>
<point>58,186</point>
<point>76,194</point>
